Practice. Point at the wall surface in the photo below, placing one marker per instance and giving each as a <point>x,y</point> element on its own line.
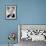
<point>28,12</point>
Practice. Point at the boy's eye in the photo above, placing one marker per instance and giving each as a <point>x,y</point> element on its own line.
<point>13,7</point>
<point>8,8</point>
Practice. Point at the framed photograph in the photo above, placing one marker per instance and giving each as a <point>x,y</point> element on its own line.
<point>10,12</point>
<point>33,32</point>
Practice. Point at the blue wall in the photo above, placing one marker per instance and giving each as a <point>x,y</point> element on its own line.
<point>28,12</point>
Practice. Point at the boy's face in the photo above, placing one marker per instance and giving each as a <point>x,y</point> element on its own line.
<point>10,10</point>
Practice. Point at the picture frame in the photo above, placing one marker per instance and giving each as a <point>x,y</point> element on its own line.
<point>10,12</point>
<point>37,29</point>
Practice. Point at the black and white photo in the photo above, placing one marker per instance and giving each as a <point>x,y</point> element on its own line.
<point>11,12</point>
